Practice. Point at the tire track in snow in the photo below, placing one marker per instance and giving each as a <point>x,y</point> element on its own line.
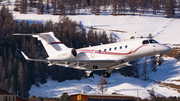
<point>164,27</point>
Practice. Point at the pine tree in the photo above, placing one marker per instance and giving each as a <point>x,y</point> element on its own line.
<point>72,6</point>
<point>1,64</point>
<point>121,6</point>
<point>10,69</point>
<point>4,75</point>
<point>54,4</point>
<point>114,5</point>
<point>143,4</point>
<point>155,6</point>
<point>133,5</point>
<point>12,84</point>
<point>21,80</point>
<point>92,4</point>
<point>6,85</point>
<point>170,8</point>
<point>136,67</point>
<point>97,7</point>
<point>153,64</point>
<point>47,7</point>
<point>23,6</point>
<point>65,97</point>
<point>40,7</point>
<point>11,90</point>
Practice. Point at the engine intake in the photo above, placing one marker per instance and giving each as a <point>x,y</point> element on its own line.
<point>74,53</point>
<point>65,54</point>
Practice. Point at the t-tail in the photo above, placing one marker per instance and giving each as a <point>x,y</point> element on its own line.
<point>50,42</point>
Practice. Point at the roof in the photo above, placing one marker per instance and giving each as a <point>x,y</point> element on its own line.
<point>99,95</point>
<point>7,93</point>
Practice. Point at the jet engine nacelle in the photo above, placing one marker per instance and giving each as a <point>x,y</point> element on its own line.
<point>65,54</point>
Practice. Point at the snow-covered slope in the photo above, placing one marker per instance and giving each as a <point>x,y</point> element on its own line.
<point>164,30</point>
<point>168,72</point>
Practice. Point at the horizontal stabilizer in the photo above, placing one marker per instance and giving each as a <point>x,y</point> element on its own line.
<point>25,55</point>
<point>26,34</point>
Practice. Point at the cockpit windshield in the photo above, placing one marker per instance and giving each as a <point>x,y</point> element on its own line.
<point>151,41</point>
<point>145,42</point>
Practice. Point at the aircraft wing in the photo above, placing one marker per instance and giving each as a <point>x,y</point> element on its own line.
<point>64,60</point>
<point>79,64</point>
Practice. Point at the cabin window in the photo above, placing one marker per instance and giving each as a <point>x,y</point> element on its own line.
<point>145,42</point>
<point>152,41</point>
<point>120,47</point>
<point>109,49</point>
<point>115,48</point>
<point>126,46</point>
<point>104,50</point>
<point>99,51</point>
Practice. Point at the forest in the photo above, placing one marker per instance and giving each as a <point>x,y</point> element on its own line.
<point>18,75</point>
<point>169,8</point>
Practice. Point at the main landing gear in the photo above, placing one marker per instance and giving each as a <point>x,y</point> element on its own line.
<point>106,74</point>
<point>89,73</point>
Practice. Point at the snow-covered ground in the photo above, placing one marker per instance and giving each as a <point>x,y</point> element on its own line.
<point>167,72</point>
<point>164,30</point>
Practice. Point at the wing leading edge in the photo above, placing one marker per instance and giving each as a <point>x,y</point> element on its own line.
<point>48,60</point>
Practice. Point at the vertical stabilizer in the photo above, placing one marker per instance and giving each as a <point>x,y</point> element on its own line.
<point>51,44</point>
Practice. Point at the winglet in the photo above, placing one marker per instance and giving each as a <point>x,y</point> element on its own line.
<point>25,55</point>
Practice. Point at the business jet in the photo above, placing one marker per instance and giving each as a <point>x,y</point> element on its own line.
<point>105,56</point>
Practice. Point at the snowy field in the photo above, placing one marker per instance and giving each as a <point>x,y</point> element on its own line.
<point>168,72</point>
<point>164,30</point>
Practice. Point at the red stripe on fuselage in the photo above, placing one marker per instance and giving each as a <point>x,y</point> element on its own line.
<point>56,42</point>
<point>110,53</point>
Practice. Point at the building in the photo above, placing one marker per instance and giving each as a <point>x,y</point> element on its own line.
<point>101,97</point>
<point>6,96</point>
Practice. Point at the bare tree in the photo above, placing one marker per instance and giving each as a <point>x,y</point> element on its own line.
<point>144,70</point>
<point>102,84</point>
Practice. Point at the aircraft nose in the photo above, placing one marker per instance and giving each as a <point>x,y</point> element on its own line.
<point>163,49</point>
<point>167,49</point>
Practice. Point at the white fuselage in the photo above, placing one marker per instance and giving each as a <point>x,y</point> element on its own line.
<point>121,52</point>
<point>105,56</point>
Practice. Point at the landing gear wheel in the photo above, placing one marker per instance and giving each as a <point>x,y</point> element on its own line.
<point>158,63</point>
<point>89,74</point>
<point>107,75</point>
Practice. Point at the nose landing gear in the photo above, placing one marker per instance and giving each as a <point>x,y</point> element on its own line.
<point>158,60</point>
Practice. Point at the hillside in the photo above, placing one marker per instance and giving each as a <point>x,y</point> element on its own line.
<point>165,80</point>
<point>168,72</point>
